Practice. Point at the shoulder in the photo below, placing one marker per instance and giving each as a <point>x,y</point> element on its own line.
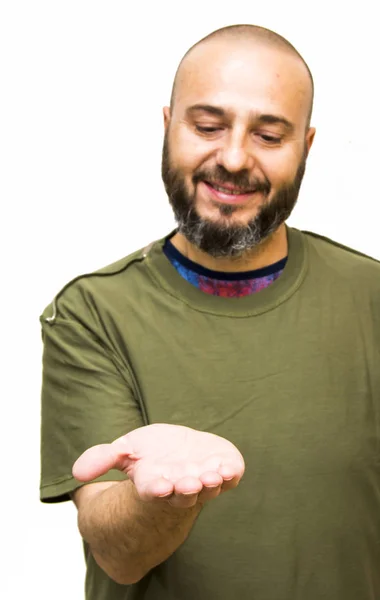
<point>346,274</point>
<point>337,256</point>
<point>88,292</point>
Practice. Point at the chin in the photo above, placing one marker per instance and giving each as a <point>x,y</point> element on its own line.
<point>228,215</point>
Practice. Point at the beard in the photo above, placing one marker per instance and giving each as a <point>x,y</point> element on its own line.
<point>223,238</point>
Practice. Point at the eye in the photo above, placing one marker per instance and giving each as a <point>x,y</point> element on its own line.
<point>206,129</point>
<point>270,139</point>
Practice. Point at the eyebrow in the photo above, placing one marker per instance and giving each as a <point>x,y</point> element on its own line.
<point>217,111</point>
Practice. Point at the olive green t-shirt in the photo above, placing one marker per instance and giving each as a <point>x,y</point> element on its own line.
<point>290,375</point>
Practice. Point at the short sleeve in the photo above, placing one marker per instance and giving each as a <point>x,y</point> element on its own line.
<point>86,400</point>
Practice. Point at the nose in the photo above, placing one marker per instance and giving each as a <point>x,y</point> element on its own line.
<point>234,154</point>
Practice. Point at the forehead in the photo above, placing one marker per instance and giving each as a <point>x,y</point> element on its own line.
<point>246,78</point>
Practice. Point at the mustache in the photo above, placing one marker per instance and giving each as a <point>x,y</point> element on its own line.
<point>243,183</point>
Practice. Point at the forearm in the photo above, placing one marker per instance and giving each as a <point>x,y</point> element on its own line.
<point>129,537</point>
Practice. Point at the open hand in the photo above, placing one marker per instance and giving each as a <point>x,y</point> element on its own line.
<point>169,463</point>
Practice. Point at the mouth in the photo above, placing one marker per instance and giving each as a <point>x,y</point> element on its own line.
<point>227,193</point>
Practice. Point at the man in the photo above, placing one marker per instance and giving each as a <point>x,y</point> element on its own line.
<point>217,393</point>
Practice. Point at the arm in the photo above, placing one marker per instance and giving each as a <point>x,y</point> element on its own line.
<point>75,412</point>
<point>173,470</point>
<point>128,537</point>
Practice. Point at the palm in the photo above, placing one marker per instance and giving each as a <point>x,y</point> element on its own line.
<point>174,452</point>
<point>163,460</point>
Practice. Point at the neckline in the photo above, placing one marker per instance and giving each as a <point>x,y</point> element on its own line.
<point>168,278</point>
<point>173,253</point>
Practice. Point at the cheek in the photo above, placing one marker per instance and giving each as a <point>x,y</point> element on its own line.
<point>188,152</point>
<point>186,160</point>
<point>281,167</point>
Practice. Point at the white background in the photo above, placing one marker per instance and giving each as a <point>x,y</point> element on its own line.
<point>82,86</point>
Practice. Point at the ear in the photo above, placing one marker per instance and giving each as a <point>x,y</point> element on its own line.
<point>310,138</point>
<point>167,117</point>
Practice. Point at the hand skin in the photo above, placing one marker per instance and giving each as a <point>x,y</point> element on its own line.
<point>134,525</point>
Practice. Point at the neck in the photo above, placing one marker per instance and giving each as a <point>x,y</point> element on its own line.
<point>270,251</point>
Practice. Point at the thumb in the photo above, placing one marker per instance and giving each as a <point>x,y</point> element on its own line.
<point>99,459</point>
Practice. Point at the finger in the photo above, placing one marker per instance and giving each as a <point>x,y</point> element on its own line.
<point>230,484</point>
<point>158,489</point>
<point>212,483</point>
<point>99,459</point>
<point>185,492</point>
<point>188,485</point>
<point>232,468</point>
<point>211,479</point>
<point>183,500</point>
<point>231,474</point>
<point>209,492</point>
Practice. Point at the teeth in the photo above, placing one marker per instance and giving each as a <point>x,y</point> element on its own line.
<point>225,191</point>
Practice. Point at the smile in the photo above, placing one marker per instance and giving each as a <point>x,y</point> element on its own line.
<point>226,195</point>
<point>228,190</point>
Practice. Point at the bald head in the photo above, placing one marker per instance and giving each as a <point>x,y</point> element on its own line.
<point>239,118</point>
<point>233,37</point>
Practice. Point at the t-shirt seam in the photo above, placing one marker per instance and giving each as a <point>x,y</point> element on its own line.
<point>58,481</point>
<point>283,298</point>
<point>60,321</point>
<point>131,381</point>
<point>174,255</point>
<point>338,245</point>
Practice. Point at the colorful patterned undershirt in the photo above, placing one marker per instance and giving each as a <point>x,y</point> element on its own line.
<point>217,283</point>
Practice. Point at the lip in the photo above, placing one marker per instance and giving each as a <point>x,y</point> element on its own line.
<point>226,198</point>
